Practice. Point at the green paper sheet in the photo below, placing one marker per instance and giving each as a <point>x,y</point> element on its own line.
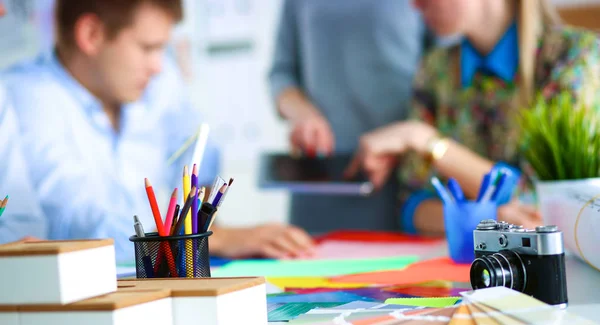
<point>290,311</point>
<point>316,268</point>
<point>438,302</point>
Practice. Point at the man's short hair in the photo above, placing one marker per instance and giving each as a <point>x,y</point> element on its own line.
<point>115,14</point>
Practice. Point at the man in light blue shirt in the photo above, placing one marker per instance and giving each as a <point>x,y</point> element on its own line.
<point>105,110</point>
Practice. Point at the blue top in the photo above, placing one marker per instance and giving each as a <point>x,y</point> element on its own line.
<point>355,60</point>
<point>23,216</point>
<point>90,178</point>
<point>502,61</point>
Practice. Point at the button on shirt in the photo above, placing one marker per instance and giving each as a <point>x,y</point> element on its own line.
<point>90,178</point>
<point>23,216</point>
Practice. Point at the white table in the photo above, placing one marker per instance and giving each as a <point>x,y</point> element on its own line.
<point>583,286</point>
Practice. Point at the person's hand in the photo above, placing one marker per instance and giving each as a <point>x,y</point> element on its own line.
<point>520,214</point>
<point>311,133</point>
<point>378,151</point>
<point>269,240</point>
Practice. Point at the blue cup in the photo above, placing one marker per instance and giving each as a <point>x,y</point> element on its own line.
<point>460,219</point>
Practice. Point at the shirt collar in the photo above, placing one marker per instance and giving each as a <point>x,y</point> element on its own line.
<point>503,61</point>
<point>85,98</point>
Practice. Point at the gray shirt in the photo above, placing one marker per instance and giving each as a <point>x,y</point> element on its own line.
<point>355,60</point>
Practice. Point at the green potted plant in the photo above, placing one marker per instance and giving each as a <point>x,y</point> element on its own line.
<point>560,141</point>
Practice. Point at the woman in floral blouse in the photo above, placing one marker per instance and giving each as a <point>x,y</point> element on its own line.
<point>467,98</point>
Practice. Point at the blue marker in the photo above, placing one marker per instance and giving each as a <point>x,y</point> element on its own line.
<point>455,189</point>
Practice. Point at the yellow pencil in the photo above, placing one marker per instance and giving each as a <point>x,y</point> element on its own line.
<point>189,250</point>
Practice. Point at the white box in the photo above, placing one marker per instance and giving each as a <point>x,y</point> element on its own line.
<point>149,307</point>
<point>56,272</point>
<point>211,301</point>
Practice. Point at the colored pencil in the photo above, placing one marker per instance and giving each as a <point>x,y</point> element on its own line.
<point>186,193</point>
<point>3,205</point>
<point>154,206</point>
<point>219,195</point>
<point>161,229</point>
<point>195,202</point>
<point>175,218</point>
<point>184,211</point>
<point>171,211</point>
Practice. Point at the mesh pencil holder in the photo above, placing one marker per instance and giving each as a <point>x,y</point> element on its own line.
<point>184,256</point>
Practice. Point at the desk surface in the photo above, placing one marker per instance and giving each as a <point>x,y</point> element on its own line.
<point>583,285</point>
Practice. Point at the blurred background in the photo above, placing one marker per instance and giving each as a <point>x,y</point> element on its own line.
<point>224,48</point>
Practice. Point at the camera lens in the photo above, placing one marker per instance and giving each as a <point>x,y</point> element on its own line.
<point>504,268</point>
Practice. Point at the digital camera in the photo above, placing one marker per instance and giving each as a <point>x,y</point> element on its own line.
<point>529,261</point>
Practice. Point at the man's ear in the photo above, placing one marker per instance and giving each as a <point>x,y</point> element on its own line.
<point>89,34</point>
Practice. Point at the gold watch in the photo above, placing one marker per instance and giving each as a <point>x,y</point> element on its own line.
<point>437,147</point>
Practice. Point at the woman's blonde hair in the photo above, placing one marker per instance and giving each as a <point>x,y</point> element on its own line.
<point>533,17</point>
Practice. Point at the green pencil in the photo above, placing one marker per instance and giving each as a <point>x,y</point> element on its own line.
<point>3,204</point>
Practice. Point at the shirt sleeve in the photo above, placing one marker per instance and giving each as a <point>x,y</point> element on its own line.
<point>23,215</point>
<point>285,69</point>
<point>415,172</point>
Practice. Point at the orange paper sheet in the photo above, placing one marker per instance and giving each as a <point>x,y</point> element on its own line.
<point>430,270</point>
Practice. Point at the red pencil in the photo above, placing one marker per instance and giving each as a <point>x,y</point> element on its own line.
<point>155,211</point>
<point>161,230</point>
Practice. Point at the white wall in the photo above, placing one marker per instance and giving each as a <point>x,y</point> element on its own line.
<point>232,91</point>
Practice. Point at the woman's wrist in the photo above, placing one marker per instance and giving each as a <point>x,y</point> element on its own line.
<point>423,138</point>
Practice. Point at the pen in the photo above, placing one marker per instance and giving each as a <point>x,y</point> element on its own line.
<point>207,212</point>
<point>139,232</point>
<point>484,186</point>
<point>455,189</point>
<point>444,195</point>
<point>487,195</point>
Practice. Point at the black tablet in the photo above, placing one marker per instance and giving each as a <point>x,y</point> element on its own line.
<point>311,175</point>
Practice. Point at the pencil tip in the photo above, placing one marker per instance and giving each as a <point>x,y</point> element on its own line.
<point>230,181</point>
<point>135,219</point>
<point>185,170</point>
<point>147,182</point>
<point>195,170</point>
<point>174,193</point>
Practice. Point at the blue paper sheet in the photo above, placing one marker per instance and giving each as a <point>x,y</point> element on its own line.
<point>336,296</point>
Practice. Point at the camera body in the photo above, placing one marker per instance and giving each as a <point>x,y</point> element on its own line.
<point>525,260</point>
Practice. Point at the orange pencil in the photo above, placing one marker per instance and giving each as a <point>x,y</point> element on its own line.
<point>154,206</point>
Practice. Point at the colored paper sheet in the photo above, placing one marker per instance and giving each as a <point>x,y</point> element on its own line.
<point>375,237</point>
<point>462,316</point>
<point>372,292</point>
<point>438,302</point>
<point>340,249</point>
<point>311,282</point>
<point>341,297</point>
<point>520,306</point>
<point>287,312</point>
<point>435,269</point>
<point>316,268</point>
<point>428,291</point>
